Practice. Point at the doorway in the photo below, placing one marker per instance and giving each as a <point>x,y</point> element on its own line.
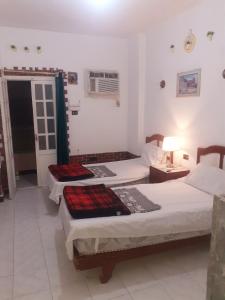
<point>39,112</point>
<point>23,136</point>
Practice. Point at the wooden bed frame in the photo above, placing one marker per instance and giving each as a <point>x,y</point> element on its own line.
<point>158,138</point>
<point>107,261</point>
<point>212,150</point>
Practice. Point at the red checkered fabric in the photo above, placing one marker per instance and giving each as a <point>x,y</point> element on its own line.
<point>70,172</point>
<point>93,201</point>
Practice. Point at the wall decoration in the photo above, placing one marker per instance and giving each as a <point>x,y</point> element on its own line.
<point>13,48</point>
<point>39,49</point>
<point>188,83</point>
<point>72,78</point>
<point>190,42</point>
<point>162,84</point>
<point>223,74</point>
<point>172,48</point>
<point>210,35</point>
<point>26,49</point>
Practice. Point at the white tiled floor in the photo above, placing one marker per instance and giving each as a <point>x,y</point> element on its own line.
<point>26,180</point>
<point>34,266</point>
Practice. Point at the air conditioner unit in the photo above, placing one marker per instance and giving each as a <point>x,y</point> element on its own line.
<point>103,83</point>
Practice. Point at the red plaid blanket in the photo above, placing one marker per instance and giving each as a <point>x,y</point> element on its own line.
<point>70,172</point>
<point>93,201</point>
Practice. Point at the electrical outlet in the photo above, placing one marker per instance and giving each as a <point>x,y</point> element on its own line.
<point>186,156</point>
<point>74,112</point>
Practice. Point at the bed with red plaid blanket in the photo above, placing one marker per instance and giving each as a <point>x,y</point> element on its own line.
<point>70,172</point>
<point>93,201</point>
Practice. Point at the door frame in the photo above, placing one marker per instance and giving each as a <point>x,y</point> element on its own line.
<point>7,137</point>
<point>3,113</point>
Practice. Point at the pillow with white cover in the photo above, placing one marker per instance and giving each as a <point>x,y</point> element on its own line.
<point>151,154</point>
<point>208,179</point>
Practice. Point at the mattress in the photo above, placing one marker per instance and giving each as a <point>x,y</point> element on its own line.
<point>184,209</point>
<point>126,170</point>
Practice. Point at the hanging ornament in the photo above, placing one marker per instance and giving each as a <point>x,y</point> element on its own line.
<point>210,35</point>
<point>39,49</point>
<point>190,42</point>
<point>26,49</point>
<point>172,48</point>
<point>13,48</point>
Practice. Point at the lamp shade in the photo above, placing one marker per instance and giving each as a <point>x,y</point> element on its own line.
<point>171,143</point>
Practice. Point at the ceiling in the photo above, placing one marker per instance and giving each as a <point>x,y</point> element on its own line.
<point>115,17</point>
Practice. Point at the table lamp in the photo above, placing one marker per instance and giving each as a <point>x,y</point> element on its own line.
<point>171,144</point>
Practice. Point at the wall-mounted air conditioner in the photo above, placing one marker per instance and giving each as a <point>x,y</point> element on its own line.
<point>103,83</point>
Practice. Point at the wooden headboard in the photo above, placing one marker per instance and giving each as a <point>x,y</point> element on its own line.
<point>212,150</point>
<point>155,137</point>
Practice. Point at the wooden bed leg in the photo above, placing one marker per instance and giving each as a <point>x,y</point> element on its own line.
<point>106,274</point>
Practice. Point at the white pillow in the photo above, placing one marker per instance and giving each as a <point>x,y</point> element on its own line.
<point>151,154</point>
<point>208,179</point>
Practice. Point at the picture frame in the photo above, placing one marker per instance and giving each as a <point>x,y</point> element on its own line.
<point>72,78</point>
<point>189,83</point>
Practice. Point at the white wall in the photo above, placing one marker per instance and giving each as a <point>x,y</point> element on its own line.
<point>101,126</point>
<point>133,90</point>
<point>136,92</point>
<point>200,120</point>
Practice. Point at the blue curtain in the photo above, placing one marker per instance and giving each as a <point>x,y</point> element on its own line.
<point>62,141</point>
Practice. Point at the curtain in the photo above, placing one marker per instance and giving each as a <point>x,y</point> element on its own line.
<point>62,142</point>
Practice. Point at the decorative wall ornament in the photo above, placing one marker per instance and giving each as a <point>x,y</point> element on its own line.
<point>162,84</point>
<point>13,48</point>
<point>26,49</point>
<point>172,48</point>
<point>210,35</point>
<point>72,78</point>
<point>190,42</point>
<point>188,83</point>
<point>223,74</point>
<point>39,49</point>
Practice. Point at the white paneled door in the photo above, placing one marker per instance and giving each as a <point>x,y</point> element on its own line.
<point>6,124</point>
<point>44,112</point>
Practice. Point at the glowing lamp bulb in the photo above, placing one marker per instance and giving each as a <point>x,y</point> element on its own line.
<point>100,4</point>
<point>171,143</point>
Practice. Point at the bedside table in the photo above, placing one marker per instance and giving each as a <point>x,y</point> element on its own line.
<point>160,174</point>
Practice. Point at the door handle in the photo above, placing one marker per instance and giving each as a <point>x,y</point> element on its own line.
<point>36,137</point>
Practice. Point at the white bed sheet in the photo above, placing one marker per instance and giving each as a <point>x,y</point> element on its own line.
<point>183,209</point>
<point>93,246</point>
<point>126,170</point>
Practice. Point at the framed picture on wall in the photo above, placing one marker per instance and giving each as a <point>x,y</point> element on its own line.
<point>188,83</point>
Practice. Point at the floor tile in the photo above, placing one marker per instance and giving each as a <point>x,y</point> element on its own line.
<point>6,238</point>
<point>162,266</point>
<point>36,296</point>
<point>112,289</point>
<point>76,291</point>
<point>200,276</point>
<point>52,235</point>
<point>183,287</point>
<point>25,283</point>
<point>134,276</point>
<point>61,270</point>
<point>124,297</point>
<point>26,180</point>
<point>192,258</point>
<point>154,292</point>
<point>6,288</point>
<point>6,259</point>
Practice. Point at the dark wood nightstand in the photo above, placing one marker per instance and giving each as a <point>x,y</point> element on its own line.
<point>160,174</point>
